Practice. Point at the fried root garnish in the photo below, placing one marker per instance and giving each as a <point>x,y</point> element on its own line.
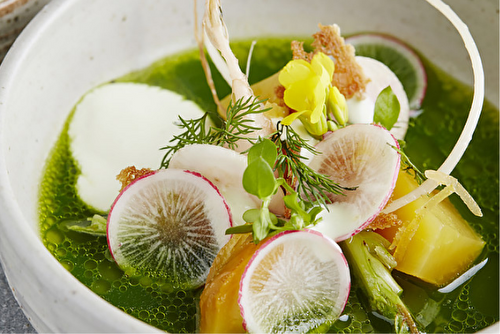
<point>348,76</point>
<point>129,174</point>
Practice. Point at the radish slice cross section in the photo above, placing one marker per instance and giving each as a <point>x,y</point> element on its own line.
<point>295,282</point>
<point>168,224</point>
<point>362,156</point>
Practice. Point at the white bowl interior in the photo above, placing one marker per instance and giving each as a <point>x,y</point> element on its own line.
<point>72,46</point>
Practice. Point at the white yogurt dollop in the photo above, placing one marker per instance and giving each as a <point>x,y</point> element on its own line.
<point>119,125</point>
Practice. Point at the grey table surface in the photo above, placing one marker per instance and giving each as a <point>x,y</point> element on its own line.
<point>12,318</point>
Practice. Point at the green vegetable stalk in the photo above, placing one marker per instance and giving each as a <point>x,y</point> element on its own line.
<point>371,265</point>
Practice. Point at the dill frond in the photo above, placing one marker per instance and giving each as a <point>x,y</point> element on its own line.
<point>407,165</point>
<point>236,127</point>
<point>311,184</point>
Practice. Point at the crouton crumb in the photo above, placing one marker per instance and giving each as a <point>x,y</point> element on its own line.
<point>383,221</point>
<point>348,76</point>
<point>129,174</point>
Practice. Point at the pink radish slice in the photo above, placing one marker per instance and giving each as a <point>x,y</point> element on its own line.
<point>400,57</point>
<point>380,77</point>
<point>295,282</point>
<point>168,224</point>
<point>361,156</point>
<point>224,168</point>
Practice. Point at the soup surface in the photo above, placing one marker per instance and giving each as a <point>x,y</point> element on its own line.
<point>431,136</point>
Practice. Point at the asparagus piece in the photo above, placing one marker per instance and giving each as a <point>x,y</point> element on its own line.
<point>371,265</point>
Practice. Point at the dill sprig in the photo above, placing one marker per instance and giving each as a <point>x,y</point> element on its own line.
<point>309,183</point>
<point>407,165</point>
<point>237,126</point>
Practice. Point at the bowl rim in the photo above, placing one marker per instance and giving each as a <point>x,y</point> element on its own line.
<point>11,210</point>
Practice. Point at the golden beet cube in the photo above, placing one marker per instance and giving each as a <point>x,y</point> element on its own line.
<point>436,245</point>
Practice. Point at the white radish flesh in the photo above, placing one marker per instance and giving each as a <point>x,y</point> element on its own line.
<point>362,156</point>
<point>168,224</point>
<point>295,282</point>
<point>224,168</point>
<point>119,125</point>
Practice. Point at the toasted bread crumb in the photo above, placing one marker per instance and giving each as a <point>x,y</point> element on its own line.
<point>383,221</point>
<point>348,76</point>
<point>129,174</point>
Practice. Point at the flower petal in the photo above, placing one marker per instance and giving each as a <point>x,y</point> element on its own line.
<point>295,70</point>
<point>292,117</point>
<point>324,67</point>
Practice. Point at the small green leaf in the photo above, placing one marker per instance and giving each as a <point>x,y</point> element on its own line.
<point>258,179</point>
<point>241,229</point>
<point>386,108</point>
<point>292,202</point>
<point>95,225</point>
<point>260,230</point>
<point>264,149</point>
<point>251,215</point>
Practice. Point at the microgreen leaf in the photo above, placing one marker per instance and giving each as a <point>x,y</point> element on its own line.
<point>241,229</point>
<point>258,179</point>
<point>265,149</point>
<point>386,108</point>
<point>261,227</point>
<point>95,225</point>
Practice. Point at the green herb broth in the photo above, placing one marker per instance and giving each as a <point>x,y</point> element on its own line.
<point>430,138</point>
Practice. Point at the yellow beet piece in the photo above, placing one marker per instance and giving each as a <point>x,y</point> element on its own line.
<point>437,245</point>
<point>219,308</point>
<point>264,90</point>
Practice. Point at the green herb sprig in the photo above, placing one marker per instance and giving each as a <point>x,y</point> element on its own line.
<point>314,186</point>
<point>238,126</point>
<point>407,165</point>
<point>259,180</point>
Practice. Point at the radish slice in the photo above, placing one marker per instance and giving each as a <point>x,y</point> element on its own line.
<point>380,77</point>
<point>361,156</point>
<point>295,282</point>
<point>224,168</point>
<point>400,58</point>
<point>168,224</point>
<point>118,125</point>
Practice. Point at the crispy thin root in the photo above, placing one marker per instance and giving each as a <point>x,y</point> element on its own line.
<point>129,174</point>
<point>348,76</point>
<point>198,34</point>
<point>453,186</point>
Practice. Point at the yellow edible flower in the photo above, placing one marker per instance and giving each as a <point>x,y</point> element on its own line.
<point>337,106</point>
<point>308,90</point>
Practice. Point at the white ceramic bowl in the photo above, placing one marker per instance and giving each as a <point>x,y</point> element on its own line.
<point>72,46</point>
<point>14,15</point>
